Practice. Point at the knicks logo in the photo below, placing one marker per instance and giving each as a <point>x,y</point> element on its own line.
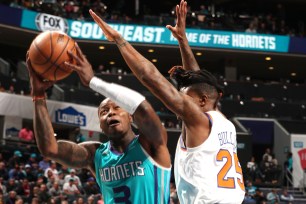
<point>49,22</point>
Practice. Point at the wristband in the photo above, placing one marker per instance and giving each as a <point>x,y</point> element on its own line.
<point>126,98</point>
<point>38,98</point>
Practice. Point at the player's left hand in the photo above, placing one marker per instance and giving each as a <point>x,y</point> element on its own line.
<point>178,31</point>
<point>111,34</point>
<point>83,67</point>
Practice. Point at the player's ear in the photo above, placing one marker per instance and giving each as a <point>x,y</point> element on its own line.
<point>131,118</point>
<point>203,100</point>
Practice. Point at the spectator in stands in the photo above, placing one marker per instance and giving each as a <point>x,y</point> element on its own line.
<point>70,190</point>
<point>251,28</point>
<point>273,197</point>
<point>56,192</point>
<point>285,197</point>
<point>252,170</point>
<point>79,137</point>
<point>265,168</point>
<point>248,199</point>
<point>44,163</point>
<point>73,176</point>
<point>3,171</point>
<point>30,175</point>
<point>91,187</point>
<point>17,173</point>
<point>26,134</point>
<point>11,198</point>
<point>267,155</point>
<point>35,194</point>
<point>275,169</point>
<point>250,188</point>
<point>32,159</point>
<point>61,178</point>
<point>53,169</point>
<point>35,169</point>
<point>43,194</point>
<point>26,190</point>
<point>13,185</point>
<point>2,89</point>
<point>3,189</point>
<point>16,158</point>
<point>288,168</point>
<point>11,89</point>
<point>51,179</point>
<point>259,197</point>
<point>91,199</point>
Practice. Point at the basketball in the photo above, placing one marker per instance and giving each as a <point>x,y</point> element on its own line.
<point>48,52</point>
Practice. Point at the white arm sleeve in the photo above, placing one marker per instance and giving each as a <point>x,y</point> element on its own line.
<point>126,98</point>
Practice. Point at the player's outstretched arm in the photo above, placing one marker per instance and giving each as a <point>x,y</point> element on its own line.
<point>64,152</point>
<point>179,32</point>
<point>153,134</point>
<point>144,70</point>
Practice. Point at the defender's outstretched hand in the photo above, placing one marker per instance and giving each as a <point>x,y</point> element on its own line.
<point>38,85</point>
<point>178,31</point>
<point>111,34</point>
<point>83,67</point>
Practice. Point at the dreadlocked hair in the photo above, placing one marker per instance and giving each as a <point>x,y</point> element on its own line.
<point>185,78</point>
<point>200,80</point>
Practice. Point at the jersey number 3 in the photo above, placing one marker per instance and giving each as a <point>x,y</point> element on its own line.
<point>229,182</point>
<point>126,194</point>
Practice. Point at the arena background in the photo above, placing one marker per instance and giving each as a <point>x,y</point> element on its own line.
<point>264,86</point>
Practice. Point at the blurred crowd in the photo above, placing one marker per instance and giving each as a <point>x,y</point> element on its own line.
<point>27,177</point>
<point>204,15</point>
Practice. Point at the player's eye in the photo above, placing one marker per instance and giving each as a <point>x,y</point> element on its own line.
<point>103,111</point>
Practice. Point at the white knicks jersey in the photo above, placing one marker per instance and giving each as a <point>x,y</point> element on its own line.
<point>211,172</point>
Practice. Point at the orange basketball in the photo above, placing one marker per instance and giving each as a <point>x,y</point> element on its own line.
<point>48,52</point>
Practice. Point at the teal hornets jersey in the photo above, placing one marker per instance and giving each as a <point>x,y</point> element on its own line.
<point>132,176</point>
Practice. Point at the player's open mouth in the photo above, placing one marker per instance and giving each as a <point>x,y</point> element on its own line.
<point>113,123</point>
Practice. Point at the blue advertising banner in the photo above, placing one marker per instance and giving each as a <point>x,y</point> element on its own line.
<point>157,35</point>
<point>10,16</point>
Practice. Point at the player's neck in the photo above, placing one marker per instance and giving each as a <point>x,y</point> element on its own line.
<point>120,145</point>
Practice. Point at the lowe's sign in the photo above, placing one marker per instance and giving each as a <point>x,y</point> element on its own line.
<point>70,116</point>
<point>158,35</point>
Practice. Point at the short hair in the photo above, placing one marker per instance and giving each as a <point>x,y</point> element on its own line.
<point>185,78</point>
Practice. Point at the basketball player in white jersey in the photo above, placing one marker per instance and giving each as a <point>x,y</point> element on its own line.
<point>207,169</point>
<point>209,147</point>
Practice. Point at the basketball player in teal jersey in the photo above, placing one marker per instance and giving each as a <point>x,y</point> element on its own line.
<point>207,168</point>
<point>128,168</point>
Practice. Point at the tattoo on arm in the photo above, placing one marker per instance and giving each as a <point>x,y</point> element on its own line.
<point>73,155</point>
<point>122,44</point>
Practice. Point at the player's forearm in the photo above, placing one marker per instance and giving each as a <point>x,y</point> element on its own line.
<point>150,77</point>
<point>188,59</point>
<point>43,129</point>
<point>65,152</point>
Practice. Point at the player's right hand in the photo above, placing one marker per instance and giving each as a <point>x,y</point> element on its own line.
<point>38,85</point>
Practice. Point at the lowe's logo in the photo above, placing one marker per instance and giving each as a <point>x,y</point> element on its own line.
<point>70,116</point>
<point>49,22</point>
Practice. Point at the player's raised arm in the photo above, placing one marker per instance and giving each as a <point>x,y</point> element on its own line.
<point>179,32</point>
<point>153,134</point>
<point>146,72</point>
<point>64,152</point>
